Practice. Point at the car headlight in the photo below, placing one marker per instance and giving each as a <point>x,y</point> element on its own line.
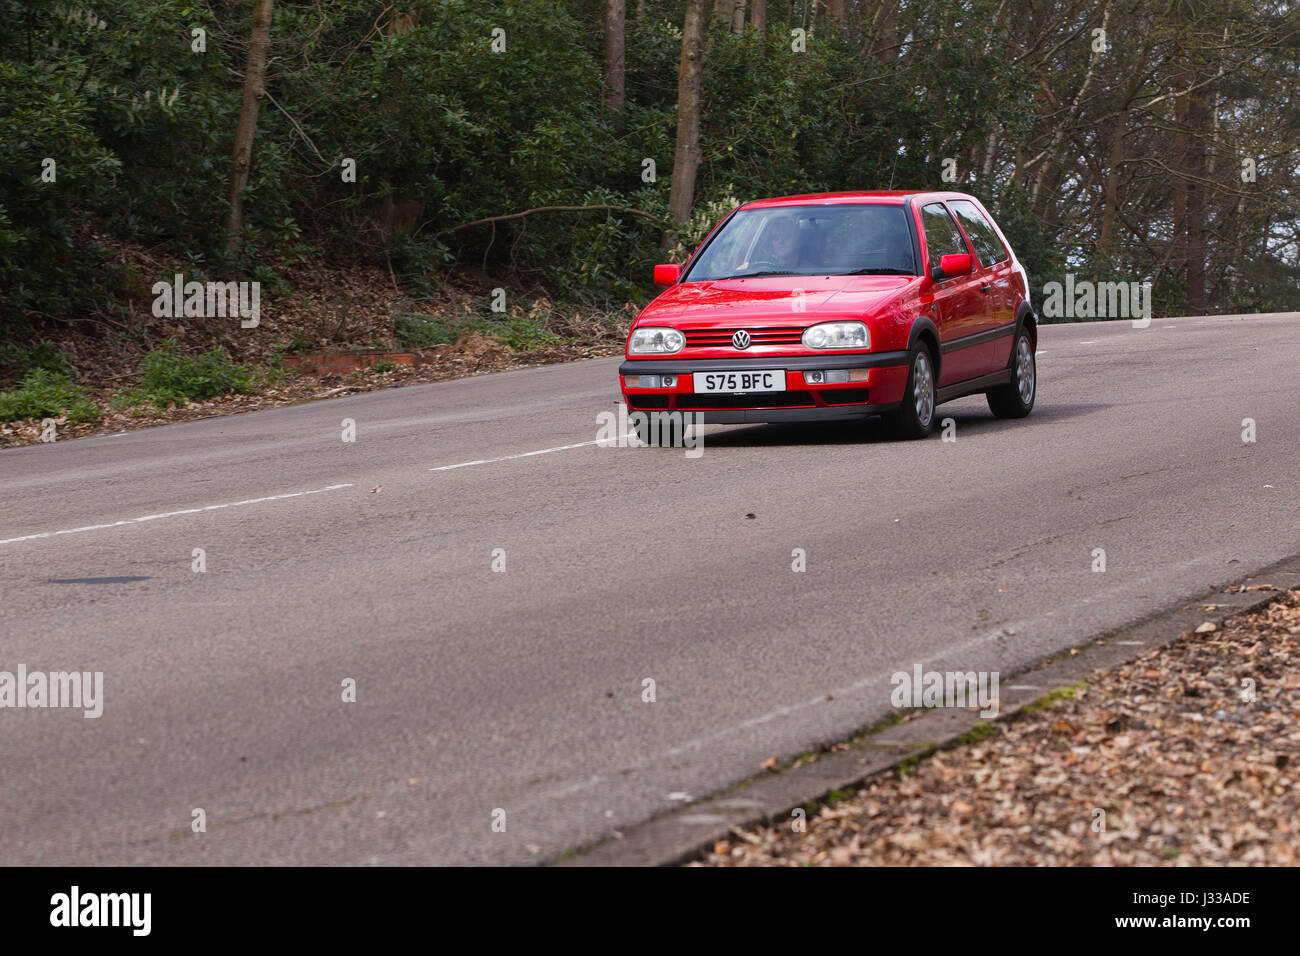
<point>837,335</point>
<point>655,341</point>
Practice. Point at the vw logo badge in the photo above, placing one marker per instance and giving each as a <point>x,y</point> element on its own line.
<point>741,339</point>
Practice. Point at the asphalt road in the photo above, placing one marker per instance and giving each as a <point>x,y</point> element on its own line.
<point>522,690</point>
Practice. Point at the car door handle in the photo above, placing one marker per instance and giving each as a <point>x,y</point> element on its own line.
<point>986,288</point>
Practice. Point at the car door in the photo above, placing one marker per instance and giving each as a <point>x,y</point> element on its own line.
<point>957,305</point>
<point>999,282</point>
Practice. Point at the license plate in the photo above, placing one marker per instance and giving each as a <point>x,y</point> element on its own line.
<point>769,380</point>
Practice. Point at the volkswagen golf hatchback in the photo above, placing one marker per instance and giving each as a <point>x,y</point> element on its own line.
<point>839,306</point>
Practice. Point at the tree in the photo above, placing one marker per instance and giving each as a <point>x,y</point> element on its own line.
<point>242,160</point>
<point>686,157</point>
<point>615,18</point>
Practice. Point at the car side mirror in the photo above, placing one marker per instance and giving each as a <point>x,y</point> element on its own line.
<point>953,264</point>
<point>668,274</point>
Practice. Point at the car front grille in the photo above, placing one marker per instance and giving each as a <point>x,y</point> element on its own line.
<point>721,338</point>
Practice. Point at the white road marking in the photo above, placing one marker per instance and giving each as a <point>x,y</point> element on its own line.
<point>1089,342</point>
<point>172,514</point>
<point>527,454</point>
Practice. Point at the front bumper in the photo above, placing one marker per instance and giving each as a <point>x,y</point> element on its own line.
<point>800,402</point>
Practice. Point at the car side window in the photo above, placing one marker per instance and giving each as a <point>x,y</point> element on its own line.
<point>941,234</point>
<point>981,234</point>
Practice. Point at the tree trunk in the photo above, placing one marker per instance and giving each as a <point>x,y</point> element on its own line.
<point>1110,214</point>
<point>881,30</point>
<point>990,155</point>
<point>615,18</point>
<point>1106,242</point>
<point>835,8</point>
<point>1198,115</point>
<point>738,18</point>
<point>758,16</point>
<point>1179,256</point>
<point>393,214</point>
<point>686,158</point>
<point>242,160</point>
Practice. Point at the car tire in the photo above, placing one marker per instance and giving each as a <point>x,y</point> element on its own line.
<point>914,417</point>
<point>1016,400</point>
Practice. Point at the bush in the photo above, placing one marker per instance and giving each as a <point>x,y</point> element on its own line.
<point>17,360</point>
<point>519,333</point>
<point>170,378</point>
<point>44,393</point>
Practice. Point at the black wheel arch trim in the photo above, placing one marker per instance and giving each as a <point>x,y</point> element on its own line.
<point>925,324</point>
<point>1026,315</point>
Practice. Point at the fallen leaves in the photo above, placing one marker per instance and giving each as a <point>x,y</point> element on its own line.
<point>1185,771</point>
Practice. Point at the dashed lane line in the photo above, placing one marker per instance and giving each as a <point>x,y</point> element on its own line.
<point>172,514</point>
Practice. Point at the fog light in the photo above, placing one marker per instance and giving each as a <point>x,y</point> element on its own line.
<point>859,374</point>
<point>831,377</point>
<point>649,381</point>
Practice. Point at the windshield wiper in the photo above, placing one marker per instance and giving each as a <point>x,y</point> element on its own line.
<point>755,275</point>
<point>881,272</point>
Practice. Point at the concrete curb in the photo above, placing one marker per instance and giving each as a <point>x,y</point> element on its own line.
<point>681,835</point>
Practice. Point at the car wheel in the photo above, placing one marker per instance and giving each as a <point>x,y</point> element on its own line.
<point>915,416</point>
<point>1016,400</point>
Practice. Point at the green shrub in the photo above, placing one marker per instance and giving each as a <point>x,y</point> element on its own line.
<point>44,393</point>
<point>16,360</point>
<point>170,378</point>
<point>519,333</point>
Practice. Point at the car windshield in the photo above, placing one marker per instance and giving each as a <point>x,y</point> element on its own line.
<point>847,239</point>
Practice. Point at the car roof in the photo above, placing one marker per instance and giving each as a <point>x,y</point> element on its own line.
<point>877,196</point>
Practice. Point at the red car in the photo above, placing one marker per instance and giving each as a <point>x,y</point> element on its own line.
<point>839,306</point>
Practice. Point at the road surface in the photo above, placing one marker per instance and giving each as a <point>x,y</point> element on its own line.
<point>521,690</point>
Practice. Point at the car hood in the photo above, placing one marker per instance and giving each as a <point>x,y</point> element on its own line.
<point>774,300</point>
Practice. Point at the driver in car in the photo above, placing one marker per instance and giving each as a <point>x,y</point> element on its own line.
<point>781,246</point>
